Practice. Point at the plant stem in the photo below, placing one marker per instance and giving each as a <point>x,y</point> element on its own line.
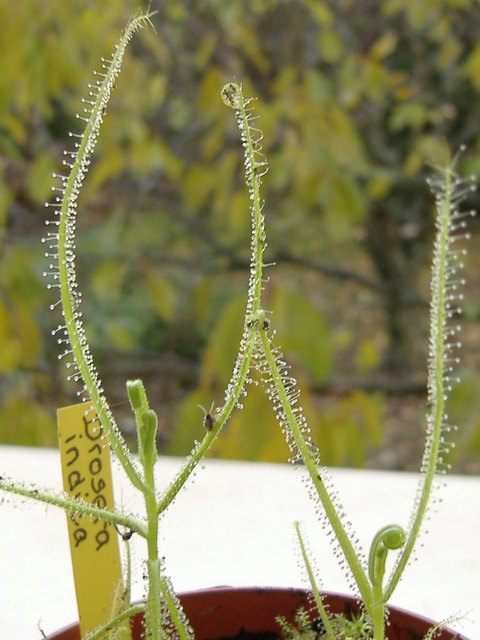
<point>342,537</point>
<point>437,393</point>
<point>252,156</point>
<point>153,613</point>
<point>221,418</point>
<point>175,610</point>
<point>66,249</point>
<point>99,634</point>
<point>72,505</point>
<point>315,591</point>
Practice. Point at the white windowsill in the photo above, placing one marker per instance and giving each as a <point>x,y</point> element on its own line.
<point>233,525</point>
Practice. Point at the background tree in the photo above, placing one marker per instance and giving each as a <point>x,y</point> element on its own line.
<point>356,100</point>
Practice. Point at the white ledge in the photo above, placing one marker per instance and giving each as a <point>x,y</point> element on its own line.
<point>232,525</point>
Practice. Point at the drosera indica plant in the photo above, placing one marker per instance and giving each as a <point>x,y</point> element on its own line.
<point>164,617</point>
<point>367,572</point>
<point>163,613</point>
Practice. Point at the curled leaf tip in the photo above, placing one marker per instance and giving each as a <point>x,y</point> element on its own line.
<point>390,537</point>
<point>137,395</point>
<point>231,95</point>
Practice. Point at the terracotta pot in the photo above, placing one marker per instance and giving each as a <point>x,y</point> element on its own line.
<point>224,612</point>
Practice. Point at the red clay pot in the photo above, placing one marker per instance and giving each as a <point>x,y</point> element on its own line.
<point>225,612</point>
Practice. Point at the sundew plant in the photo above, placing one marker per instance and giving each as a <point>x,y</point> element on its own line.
<point>257,352</point>
<point>367,572</point>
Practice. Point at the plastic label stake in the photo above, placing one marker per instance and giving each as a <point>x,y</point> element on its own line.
<point>94,546</point>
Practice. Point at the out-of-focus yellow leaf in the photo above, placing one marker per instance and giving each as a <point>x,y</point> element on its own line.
<point>22,420</point>
<point>197,186</point>
<point>106,166</point>
<point>449,52</point>
<point>10,347</point>
<point>15,127</point>
<point>376,80</point>
<point>172,163</point>
<point>346,429</point>
<point>189,422</point>
<point>219,358</point>
<point>6,197</point>
<point>209,90</point>
<point>320,11</point>
<point>238,212</point>
<point>119,335</point>
<point>428,149</point>
<point>384,45</point>
<point>379,184</point>
<point>302,331</point>
<point>205,50</point>
<point>464,409</point>
<point>107,280</point>
<point>330,46</point>
<point>162,293</point>
<point>367,356</point>
<point>202,298</point>
<point>318,87</point>
<point>20,339</point>
<point>222,190</point>
<point>343,139</point>
<point>344,204</point>
<point>250,44</point>
<point>252,433</point>
<point>146,156</point>
<point>39,179</point>
<point>471,67</point>
<point>176,11</point>
<point>408,114</point>
<point>27,328</point>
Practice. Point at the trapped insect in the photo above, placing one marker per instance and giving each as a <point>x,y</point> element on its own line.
<point>208,418</point>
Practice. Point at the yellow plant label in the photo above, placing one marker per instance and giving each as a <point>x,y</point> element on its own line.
<point>94,546</point>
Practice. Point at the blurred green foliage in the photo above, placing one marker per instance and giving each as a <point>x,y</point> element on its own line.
<point>356,99</point>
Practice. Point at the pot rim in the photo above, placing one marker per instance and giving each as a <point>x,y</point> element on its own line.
<point>336,600</point>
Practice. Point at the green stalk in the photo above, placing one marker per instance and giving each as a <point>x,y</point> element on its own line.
<point>66,248</point>
<point>316,594</point>
<point>158,593</point>
<point>255,165</point>
<point>72,505</point>
<point>220,419</point>
<point>175,611</point>
<point>392,536</point>
<point>153,611</point>
<point>436,386</point>
<point>99,634</point>
<point>147,424</point>
<point>342,537</point>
